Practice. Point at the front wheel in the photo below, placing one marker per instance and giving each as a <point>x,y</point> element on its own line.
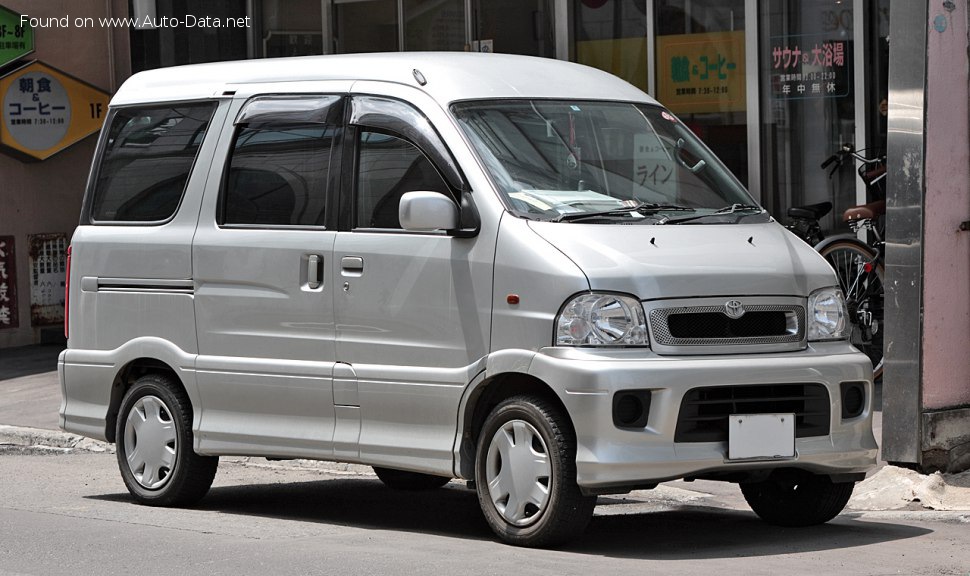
<point>797,498</point>
<point>525,474</point>
<point>861,281</point>
<point>154,445</point>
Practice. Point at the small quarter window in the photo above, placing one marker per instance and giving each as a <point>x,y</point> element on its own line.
<point>147,160</point>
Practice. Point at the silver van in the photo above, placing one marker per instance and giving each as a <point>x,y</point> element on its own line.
<point>519,272</point>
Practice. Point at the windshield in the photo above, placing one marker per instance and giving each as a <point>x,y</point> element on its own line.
<point>575,160</point>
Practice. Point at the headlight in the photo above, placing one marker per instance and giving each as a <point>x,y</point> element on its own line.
<point>828,317</point>
<point>602,320</point>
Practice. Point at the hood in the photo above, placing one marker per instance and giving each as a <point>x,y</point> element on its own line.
<point>690,260</point>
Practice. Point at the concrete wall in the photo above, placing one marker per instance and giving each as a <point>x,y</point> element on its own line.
<point>45,197</point>
<point>946,249</point>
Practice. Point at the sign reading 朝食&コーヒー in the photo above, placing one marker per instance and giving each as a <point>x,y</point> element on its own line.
<point>701,72</point>
<point>46,110</point>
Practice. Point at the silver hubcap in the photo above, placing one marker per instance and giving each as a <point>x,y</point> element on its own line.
<point>518,472</point>
<point>150,442</point>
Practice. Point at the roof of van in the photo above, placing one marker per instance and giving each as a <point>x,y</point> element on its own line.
<point>450,76</point>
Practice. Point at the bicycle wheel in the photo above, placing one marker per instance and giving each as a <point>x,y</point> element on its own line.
<point>863,295</point>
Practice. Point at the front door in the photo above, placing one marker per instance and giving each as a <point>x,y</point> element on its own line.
<point>411,308</point>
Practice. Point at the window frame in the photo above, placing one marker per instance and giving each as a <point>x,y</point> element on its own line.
<point>333,116</point>
<point>363,116</point>
<point>90,189</point>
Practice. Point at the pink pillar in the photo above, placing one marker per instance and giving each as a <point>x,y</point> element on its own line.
<point>946,249</point>
<point>926,389</point>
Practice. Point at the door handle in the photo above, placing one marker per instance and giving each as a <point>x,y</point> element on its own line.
<point>314,271</point>
<point>352,264</point>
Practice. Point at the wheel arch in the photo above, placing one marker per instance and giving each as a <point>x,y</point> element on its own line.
<point>125,378</point>
<point>483,398</point>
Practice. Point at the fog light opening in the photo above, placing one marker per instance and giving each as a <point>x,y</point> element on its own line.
<point>853,399</point>
<point>631,408</point>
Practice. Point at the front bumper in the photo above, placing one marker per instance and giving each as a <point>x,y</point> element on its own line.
<point>610,458</point>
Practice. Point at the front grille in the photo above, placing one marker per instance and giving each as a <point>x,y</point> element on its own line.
<point>711,326</point>
<point>704,411</point>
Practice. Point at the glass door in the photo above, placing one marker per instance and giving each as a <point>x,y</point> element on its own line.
<point>808,104</point>
<point>514,27</point>
<point>701,73</point>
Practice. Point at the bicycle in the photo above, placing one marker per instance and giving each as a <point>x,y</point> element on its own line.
<point>858,265</point>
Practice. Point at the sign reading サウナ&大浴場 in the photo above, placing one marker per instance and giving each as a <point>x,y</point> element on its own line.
<point>46,110</point>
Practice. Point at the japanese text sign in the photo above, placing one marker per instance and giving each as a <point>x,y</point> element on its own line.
<point>46,111</point>
<point>701,72</point>
<point>16,39</point>
<point>653,169</point>
<point>8,284</point>
<point>809,66</point>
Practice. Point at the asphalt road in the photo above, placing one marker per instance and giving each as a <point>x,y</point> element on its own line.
<point>70,514</point>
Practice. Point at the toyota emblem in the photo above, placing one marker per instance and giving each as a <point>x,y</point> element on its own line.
<point>734,309</point>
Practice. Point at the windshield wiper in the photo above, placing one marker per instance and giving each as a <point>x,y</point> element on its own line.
<point>642,208</point>
<point>732,209</point>
<point>739,208</point>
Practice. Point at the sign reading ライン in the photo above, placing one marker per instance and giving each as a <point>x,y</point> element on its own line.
<point>46,110</point>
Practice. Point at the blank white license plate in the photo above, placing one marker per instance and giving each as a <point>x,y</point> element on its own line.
<point>761,436</point>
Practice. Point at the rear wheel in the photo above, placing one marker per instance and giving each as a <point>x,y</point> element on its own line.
<point>797,498</point>
<point>525,474</point>
<point>154,445</point>
<point>863,295</point>
<point>403,480</point>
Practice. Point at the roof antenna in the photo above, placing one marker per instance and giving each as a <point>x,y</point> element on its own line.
<point>419,77</point>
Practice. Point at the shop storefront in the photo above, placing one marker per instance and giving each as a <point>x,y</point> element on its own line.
<point>774,87</point>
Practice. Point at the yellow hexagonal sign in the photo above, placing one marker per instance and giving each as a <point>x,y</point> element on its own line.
<point>46,110</point>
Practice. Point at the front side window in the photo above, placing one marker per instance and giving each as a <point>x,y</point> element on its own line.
<point>562,160</point>
<point>146,162</point>
<point>280,165</point>
<point>387,167</point>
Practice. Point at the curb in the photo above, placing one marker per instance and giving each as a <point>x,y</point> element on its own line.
<point>37,438</point>
<point>41,440</point>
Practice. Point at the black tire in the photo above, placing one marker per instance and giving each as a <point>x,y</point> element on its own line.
<point>797,498</point>
<point>842,256</point>
<point>564,512</point>
<point>404,480</point>
<point>167,471</point>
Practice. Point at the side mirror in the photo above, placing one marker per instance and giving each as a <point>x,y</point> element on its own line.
<point>427,211</point>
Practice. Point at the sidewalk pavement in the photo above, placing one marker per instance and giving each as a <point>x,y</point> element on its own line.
<point>30,397</point>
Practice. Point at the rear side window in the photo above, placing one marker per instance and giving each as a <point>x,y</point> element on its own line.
<point>147,160</point>
<point>280,164</point>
